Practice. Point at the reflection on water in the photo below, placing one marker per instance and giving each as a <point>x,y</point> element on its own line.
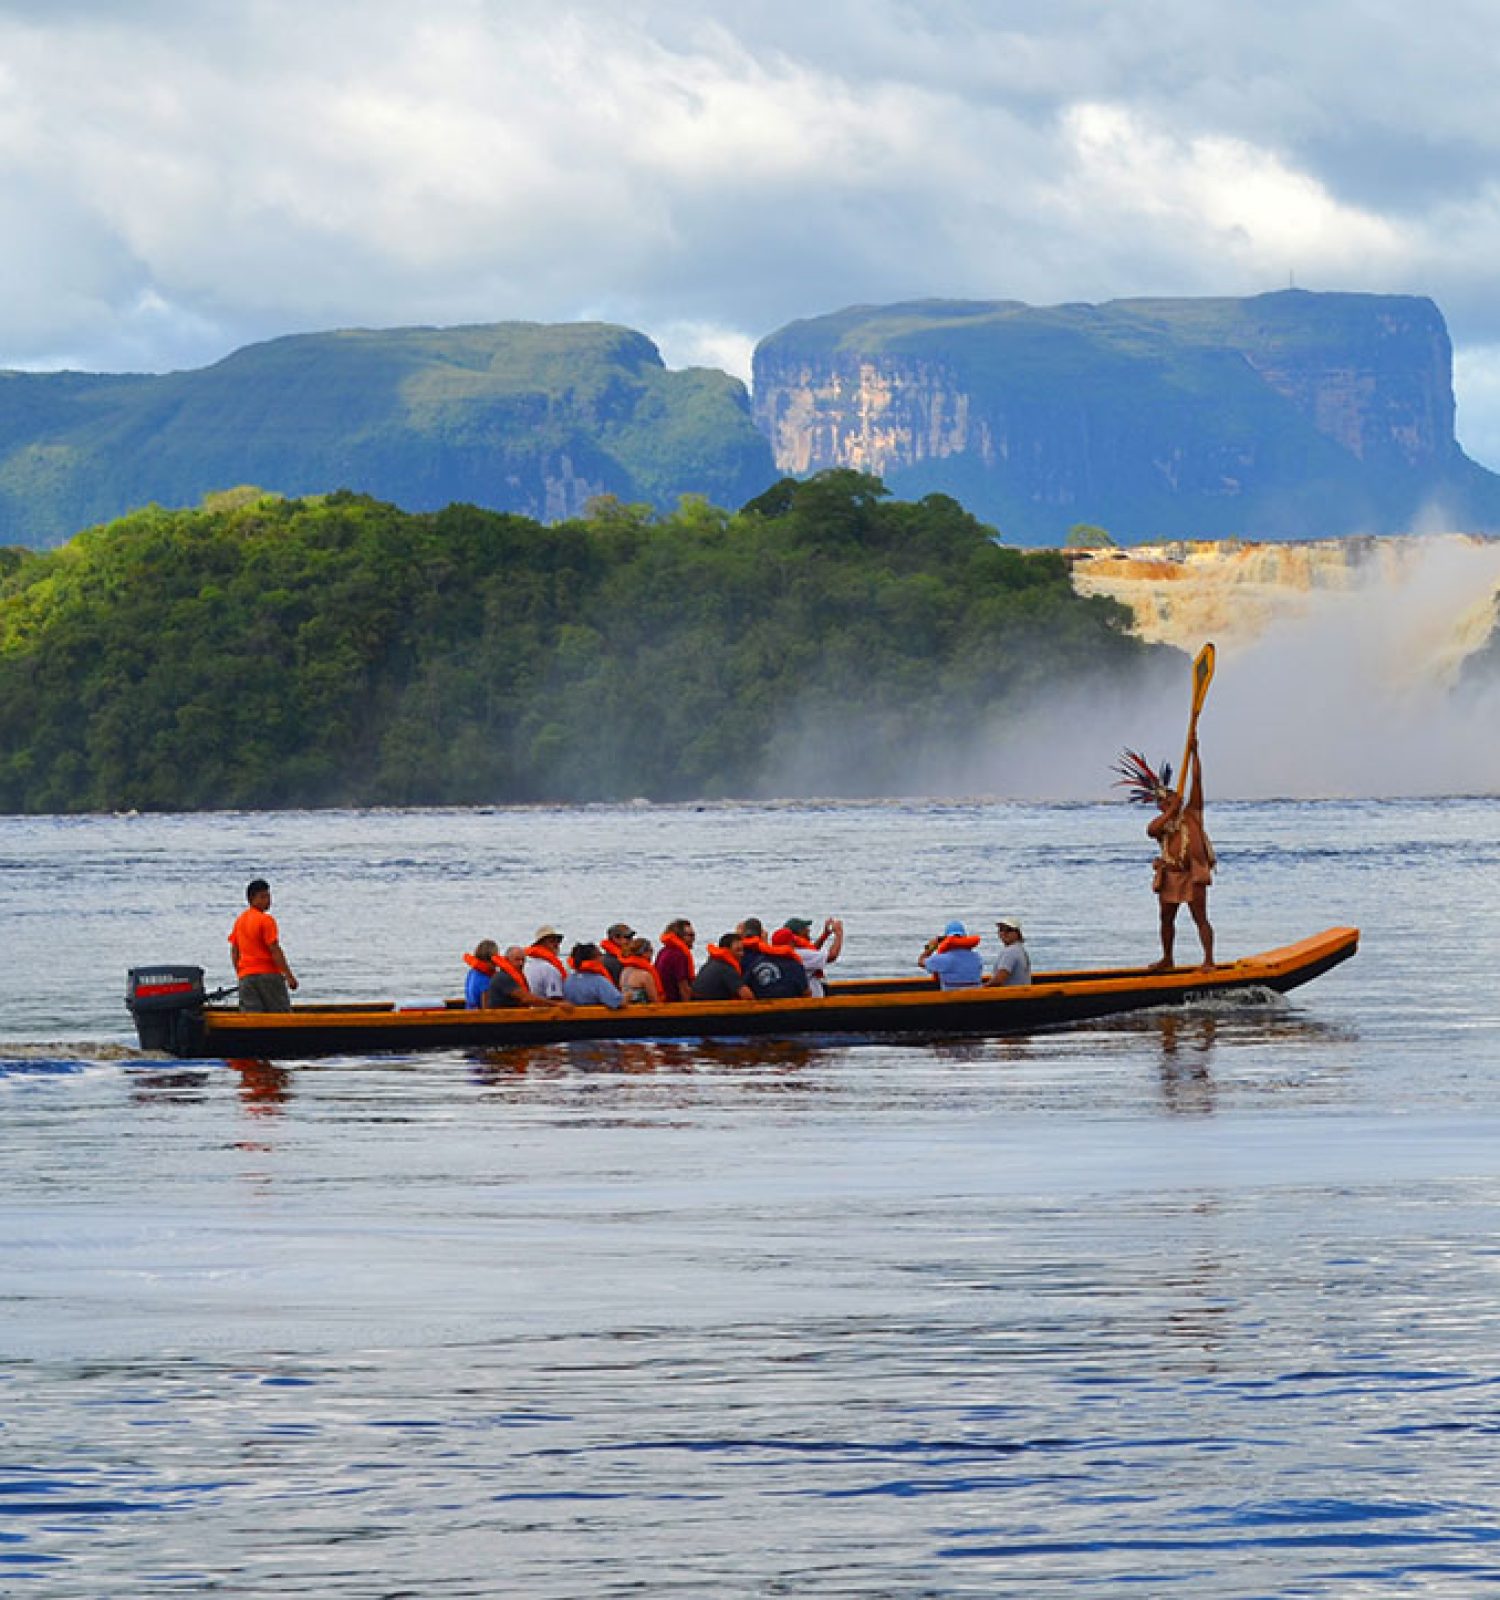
<point>169,1083</point>
<point>636,1057</point>
<point>964,1051</point>
<point>264,1085</point>
<point>1187,1051</point>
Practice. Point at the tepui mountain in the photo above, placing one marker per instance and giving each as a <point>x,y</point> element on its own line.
<point>1286,415</point>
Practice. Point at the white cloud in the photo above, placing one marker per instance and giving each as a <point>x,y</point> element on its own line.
<point>1220,195</point>
<point>1476,384</point>
<point>176,178</point>
<point>705,344</point>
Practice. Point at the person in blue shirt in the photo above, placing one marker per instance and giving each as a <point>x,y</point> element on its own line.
<point>589,983</point>
<point>481,967</point>
<point>953,958</point>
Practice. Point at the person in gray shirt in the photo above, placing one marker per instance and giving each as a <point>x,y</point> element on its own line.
<point>1012,965</point>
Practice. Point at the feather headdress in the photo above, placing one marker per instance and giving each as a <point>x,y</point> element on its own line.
<point>1143,783</point>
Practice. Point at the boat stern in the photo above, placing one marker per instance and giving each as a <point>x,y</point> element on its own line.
<point>167,1005</point>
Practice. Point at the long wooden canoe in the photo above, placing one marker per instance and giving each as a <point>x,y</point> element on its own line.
<point>874,1007</point>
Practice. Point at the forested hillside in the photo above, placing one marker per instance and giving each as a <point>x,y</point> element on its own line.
<point>340,651</point>
<point>517,416</point>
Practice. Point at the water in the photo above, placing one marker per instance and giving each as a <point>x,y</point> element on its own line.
<point>1201,1303</point>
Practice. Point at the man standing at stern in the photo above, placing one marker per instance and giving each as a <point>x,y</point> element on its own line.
<point>259,963</point>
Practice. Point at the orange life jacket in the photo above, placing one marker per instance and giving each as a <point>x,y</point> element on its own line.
<point>641,964</point>
<point>542,953</point>
<point>679,943</point>
<point>502,965</point>
<point>594,966</point>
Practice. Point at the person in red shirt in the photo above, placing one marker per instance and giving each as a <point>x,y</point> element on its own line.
<point>675,967</point>
<point>259,963</point>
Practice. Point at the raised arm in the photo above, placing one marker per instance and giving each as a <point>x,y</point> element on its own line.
<point>1195,778</point>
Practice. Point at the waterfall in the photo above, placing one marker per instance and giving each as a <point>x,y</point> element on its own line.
<point>1431,598</point>
<point>1338,666</point>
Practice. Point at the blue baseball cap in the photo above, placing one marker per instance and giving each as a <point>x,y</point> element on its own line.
<point>955,930</point>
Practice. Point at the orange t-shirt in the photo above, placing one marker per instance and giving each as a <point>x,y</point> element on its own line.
<point>253,934</point>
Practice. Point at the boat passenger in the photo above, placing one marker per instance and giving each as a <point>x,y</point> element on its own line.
<point>481,965</point>
<point>1012,965</point>
<point>260,964</point>
<point>508,986</point>
<point>675,969</point>
<point>613,945</point>
<point>752,932</point>
<point>722,976</point>
<point>772,973</point>
<point>816,955</point>
<point>638,982</point>
<point>544,971</point>
<point>589,983</point>
<point>953,958</point>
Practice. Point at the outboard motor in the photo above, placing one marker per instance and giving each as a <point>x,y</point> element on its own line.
<point>167,1004</point>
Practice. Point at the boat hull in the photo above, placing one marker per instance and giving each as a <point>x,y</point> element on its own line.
<point>899,1007</point>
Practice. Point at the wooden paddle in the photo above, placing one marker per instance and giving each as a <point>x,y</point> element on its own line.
<point>1203,675</point>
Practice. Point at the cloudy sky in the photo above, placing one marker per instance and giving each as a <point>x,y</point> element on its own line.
<point>180,177</point>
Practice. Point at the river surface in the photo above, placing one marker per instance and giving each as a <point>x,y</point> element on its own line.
<point>1201,1303</point>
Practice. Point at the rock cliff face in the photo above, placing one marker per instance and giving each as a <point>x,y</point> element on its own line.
<point>1287,415</point>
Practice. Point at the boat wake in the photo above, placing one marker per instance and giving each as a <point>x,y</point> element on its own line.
<point>61,1058</point>
<point>1255,998</point>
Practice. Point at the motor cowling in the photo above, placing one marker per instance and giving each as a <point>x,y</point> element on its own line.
<point>167,1004</point>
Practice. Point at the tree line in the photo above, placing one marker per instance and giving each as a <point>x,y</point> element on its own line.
<point>263,652</point>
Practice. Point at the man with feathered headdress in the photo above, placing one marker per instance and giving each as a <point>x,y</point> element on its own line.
<point>1184,867</point>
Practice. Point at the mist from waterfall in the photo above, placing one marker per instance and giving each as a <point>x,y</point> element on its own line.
<point>1339,675</point>
<point>1348,687</point>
